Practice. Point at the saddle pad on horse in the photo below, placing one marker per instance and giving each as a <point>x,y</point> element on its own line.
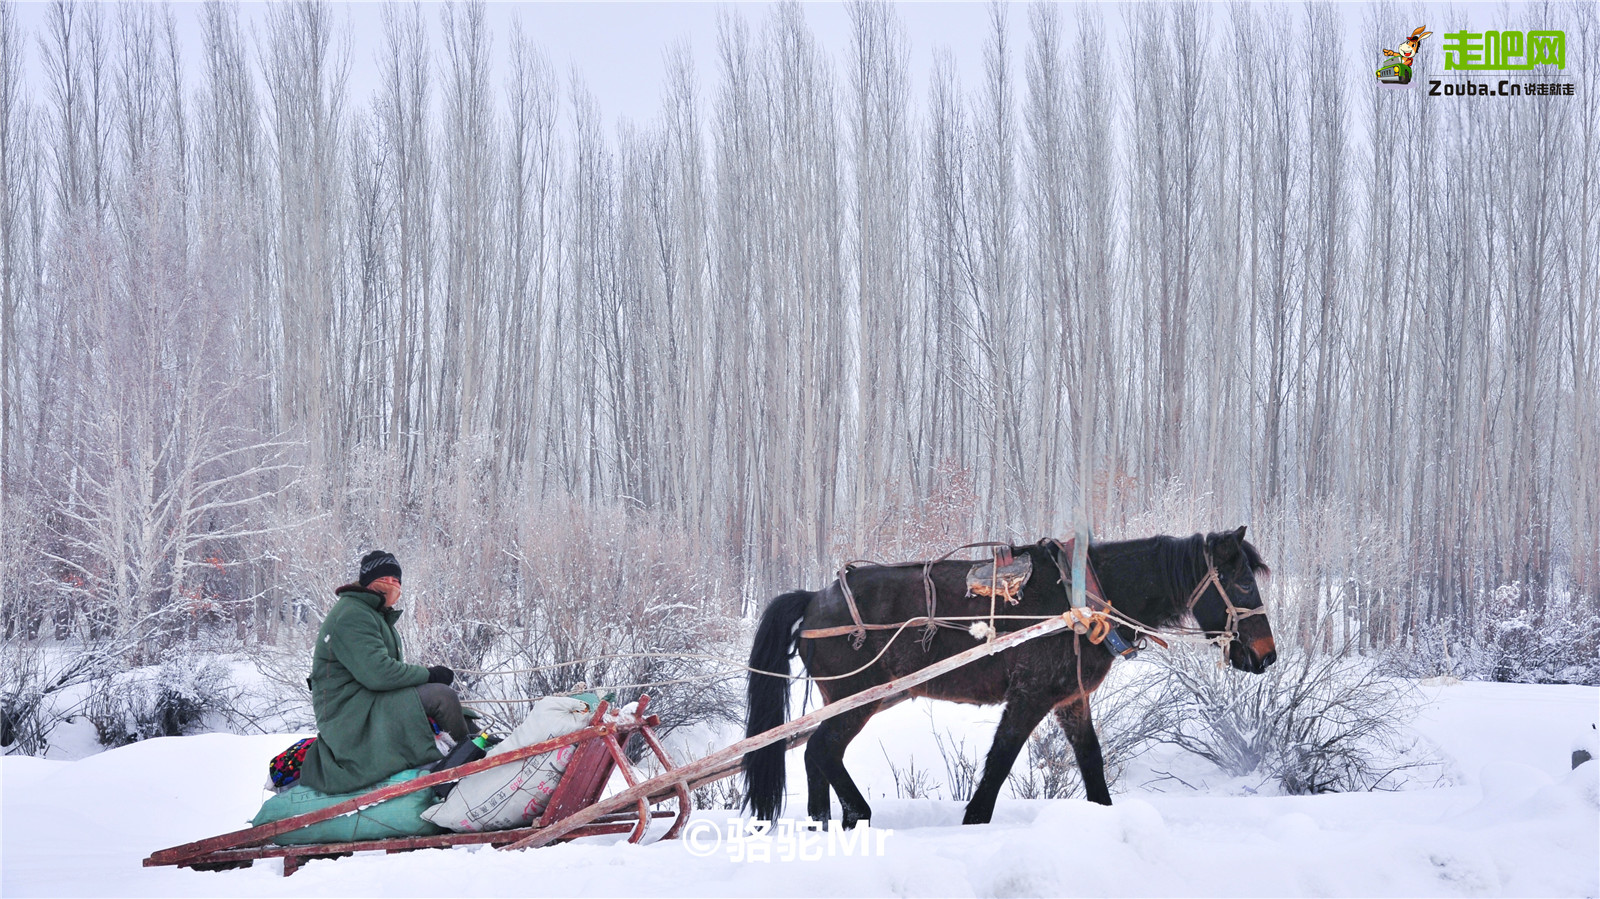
<point>998,578</point>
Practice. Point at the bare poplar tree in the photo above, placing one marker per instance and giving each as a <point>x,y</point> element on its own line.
<point>16,149</point>
<point>305,77</point>
<point>468,206</point>
<point>887,333</point>
<point>403,104</point>
<point>531,201</point>
<point>994,280</point>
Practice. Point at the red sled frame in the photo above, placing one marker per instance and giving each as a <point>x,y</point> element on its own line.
<point>598,753</point>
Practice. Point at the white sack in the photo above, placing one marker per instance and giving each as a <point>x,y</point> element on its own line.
<point>513,795</point>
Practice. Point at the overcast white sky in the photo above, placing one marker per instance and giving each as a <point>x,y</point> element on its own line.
<point>619,47</point>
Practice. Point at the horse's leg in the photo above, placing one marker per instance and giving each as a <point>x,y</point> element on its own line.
<point>817,806</point>
<point>1074,719</point>
<point>825,767</point>
<point>1022,715</point>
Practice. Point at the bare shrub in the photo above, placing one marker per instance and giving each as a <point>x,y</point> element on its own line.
<point>170,701</point>
<point>1311,724</point>
<point>921,523</point>
<point>1049,770</point>
<point>962,768</point>
<point>599,597</point>
<point>524,596</point>
<point>911,782</point>
<point>281,700</point>
<point>727,793</point>
<point>34,692</point>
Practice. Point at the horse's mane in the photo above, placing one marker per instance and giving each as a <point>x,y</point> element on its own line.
<point>1258,565</point>
<point>1181,561</point>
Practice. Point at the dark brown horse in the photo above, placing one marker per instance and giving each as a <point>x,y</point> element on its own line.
<point>1154,581</point>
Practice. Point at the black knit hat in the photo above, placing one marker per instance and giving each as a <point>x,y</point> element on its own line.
<point>376,564</point>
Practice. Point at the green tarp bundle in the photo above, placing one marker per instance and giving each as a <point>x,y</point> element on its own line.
<point>398,817</point>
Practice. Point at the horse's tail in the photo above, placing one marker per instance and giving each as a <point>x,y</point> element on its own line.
<point>768,696</point>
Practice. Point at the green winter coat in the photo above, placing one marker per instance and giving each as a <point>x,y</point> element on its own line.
<point>370,722</point>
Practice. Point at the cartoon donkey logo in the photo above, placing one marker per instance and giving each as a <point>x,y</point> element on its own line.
<point>1397,67</point>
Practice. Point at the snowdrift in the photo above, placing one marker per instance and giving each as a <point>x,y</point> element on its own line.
<point>1511,821</point>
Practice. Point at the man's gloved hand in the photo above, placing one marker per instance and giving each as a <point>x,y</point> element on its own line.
<point>439,674</point>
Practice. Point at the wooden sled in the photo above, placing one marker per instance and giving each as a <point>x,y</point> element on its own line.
<point>576,809</point>
<point>598,754</point>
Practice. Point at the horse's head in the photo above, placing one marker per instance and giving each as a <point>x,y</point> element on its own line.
<point>1227,602</point>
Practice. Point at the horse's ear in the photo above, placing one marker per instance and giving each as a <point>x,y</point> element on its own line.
<point>1228,544</point>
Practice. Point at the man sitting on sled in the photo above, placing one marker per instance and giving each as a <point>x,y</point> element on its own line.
<point>372,707</point>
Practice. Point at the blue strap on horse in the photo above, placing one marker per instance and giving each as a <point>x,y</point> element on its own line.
<point>1113,640</point>
<point>1119,645</point>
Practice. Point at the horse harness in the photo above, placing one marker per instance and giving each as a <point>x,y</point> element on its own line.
<point>1098,621</point>
<point>1002,578</point>
<point>1235,613</point>
<point>930,623</point>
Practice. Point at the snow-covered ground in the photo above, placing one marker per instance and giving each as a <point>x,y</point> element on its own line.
<point>1511,820</point>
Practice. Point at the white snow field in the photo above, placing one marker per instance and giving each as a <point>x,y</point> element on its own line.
<point>1512,821</point>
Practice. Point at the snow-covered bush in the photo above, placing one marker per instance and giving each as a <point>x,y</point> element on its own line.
<point>169,701</point>
<point>1310,724</point>
<point>558,594</point>
<point>1555,643</point>
<point>1518,638</point>
<point>37,692</point>
<point>1436,651</point>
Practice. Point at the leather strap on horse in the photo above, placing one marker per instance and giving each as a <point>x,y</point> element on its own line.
<point>1092,624</point>
<point>858,630</point>
<point>1235,614</point>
